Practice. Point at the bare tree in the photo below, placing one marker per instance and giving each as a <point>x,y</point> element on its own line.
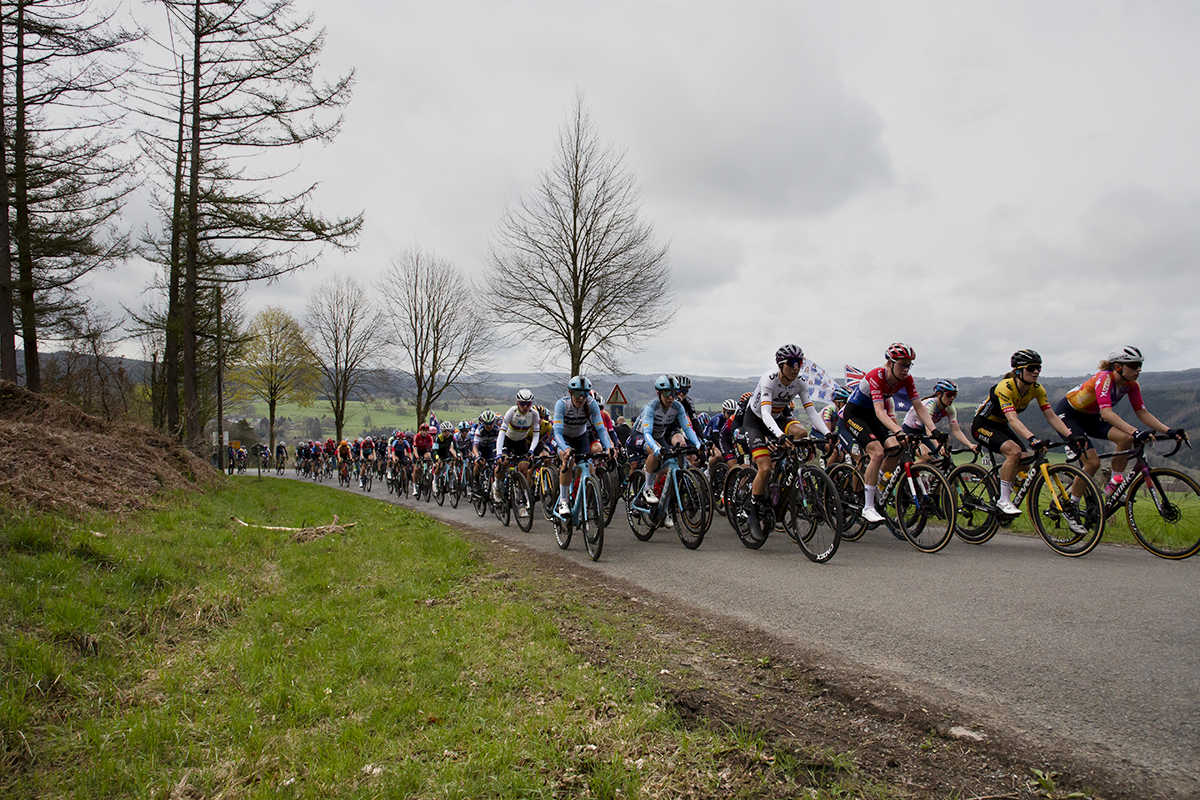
<point>573,265</point>
<point>276,364</point>
<point>434,322</point>
<point>247,86</point>
<point>346,334</point>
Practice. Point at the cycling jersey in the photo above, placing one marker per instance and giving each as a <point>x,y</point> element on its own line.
<point>422,442</point>
<point>912,422</point>
<point>485,439</point>
<point>715,426</point>
<point>655,421</point>
<point>874,387</point>
<point>1004,397</point>
<point>574,422</point>
<point>1101,391</point>
<point>518,427</point>
<point>775,397</point>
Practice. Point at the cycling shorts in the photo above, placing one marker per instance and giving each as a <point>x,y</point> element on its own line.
<point>993,435</point>
<point>516,449</point>
<point>864,426</point>
<point>580,444</point>
<point>1081,423</point>
<point>758,435</point>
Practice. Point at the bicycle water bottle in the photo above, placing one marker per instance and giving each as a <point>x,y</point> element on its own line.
<point>659,484</point>
<point>774,489</point>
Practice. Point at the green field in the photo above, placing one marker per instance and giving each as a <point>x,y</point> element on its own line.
<point>361,417</point>
<point>174,653</point>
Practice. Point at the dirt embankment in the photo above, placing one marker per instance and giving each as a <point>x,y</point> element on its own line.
<point>54,457</point>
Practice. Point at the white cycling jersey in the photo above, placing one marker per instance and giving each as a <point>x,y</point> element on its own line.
<point>516,426</point>
<point>773,392</point>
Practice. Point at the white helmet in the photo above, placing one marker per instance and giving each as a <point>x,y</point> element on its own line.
<point>1125,355</point>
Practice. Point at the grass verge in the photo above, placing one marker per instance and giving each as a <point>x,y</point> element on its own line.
<point>171,653</point>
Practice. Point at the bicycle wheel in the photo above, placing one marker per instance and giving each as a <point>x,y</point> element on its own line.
<point>562,532</point>
<point>641,519</point>
<point>592,524</point>
<point>1070,528</point>
<point>815,515</point>
<point>716,481</point>
<point>975,493</point>
<point>849,484</point>
<point>439,486</point>
<point>692,509</point>
<point>925,509</point>
<point>741,512</point>
<point>1164,513</point>
<point>547,480</point>
<point>500,507</point>
<point>521,500</point>
<point>368,475</point>
<point>479,494</point>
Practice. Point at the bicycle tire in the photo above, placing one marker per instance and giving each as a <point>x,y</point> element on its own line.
<point>815,513</point>
<point>368,476</point>
<point>641,521</point>
<point>501,507</point>
<point>748,526</point>
<point>1070,530</point>
<point>606,479</point>
<point>927,520</point>
<point>479,495</point>
<point>562,532</point>
<point>591,525</point>
<point>1173,532</point>
<point>439,488</point>
<point>521,500</point>
<point>716,480</point>
<point>547,479</point>
<point>849,484</point>
<point>975,493</point>
<point>691,511</point>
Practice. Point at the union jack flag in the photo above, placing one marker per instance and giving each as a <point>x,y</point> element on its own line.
<point>853,375</point>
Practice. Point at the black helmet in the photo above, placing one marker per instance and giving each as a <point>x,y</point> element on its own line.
<point>1025,358</point>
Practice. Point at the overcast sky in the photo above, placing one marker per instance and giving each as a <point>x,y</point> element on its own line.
<point>970,178</point>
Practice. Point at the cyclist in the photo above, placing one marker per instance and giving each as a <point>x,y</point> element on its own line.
<point>422,449</point>
<point>662,420</point>
<point>714,430</point>
<point>483,440</point>
<point>768,414</point>
<point>940,406</point>
<point>871,424</point>
<point>574,416</point>
<point>1088,411</point>
<point>344,454</point>
<point>997,428</point>
<point>831,416</point>
<point>281,454</point>
<point>520,431</point>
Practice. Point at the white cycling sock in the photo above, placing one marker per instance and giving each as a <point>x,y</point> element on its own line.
<point>869,496</point>
<point>1005,491</point>
<point>564,493</point>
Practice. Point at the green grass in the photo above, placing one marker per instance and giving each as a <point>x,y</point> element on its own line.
<point>361,417</point>
<point>173,653</point>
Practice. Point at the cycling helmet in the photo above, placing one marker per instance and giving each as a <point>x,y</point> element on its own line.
<point>543,412</point>
<point>665,383</point>
<point>899,351</point>
<point>1024,358</point>
<point>945,386</point>
<point>787,353</point>
<point>703,418</point>
<point>683,382</point>
<point>524,396</point>
<point>1125,355</point>
<point>579,384</point>
<point>487,417</point>
<point>729,405</point>
<point>841,393</point>
<point>464,426</point>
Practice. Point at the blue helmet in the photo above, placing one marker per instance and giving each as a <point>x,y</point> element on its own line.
<point>579,384</point>
<point>841,393</point>
<point>665,383</point>
<point>945,385</point>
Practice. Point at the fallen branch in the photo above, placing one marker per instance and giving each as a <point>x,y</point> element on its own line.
<point>304,534</point>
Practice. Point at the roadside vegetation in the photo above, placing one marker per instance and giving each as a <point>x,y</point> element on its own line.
<point>174,653</point>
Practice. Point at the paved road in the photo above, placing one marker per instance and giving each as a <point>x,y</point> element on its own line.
<point>1102,651</point>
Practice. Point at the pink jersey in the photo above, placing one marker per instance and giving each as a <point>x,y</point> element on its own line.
<point>1101,391</point>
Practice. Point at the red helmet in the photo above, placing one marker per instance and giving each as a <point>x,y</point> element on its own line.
<point>899,351</point>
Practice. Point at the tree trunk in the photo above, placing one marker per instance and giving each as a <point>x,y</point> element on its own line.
<point>191,388</point>
<point>8,329</point>
<point>25,285</point>
<point>174,321</point>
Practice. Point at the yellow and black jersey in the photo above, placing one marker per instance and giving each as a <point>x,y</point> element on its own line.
<point>1005,396</point>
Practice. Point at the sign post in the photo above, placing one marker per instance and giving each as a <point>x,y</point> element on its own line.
<point>616,402</point>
